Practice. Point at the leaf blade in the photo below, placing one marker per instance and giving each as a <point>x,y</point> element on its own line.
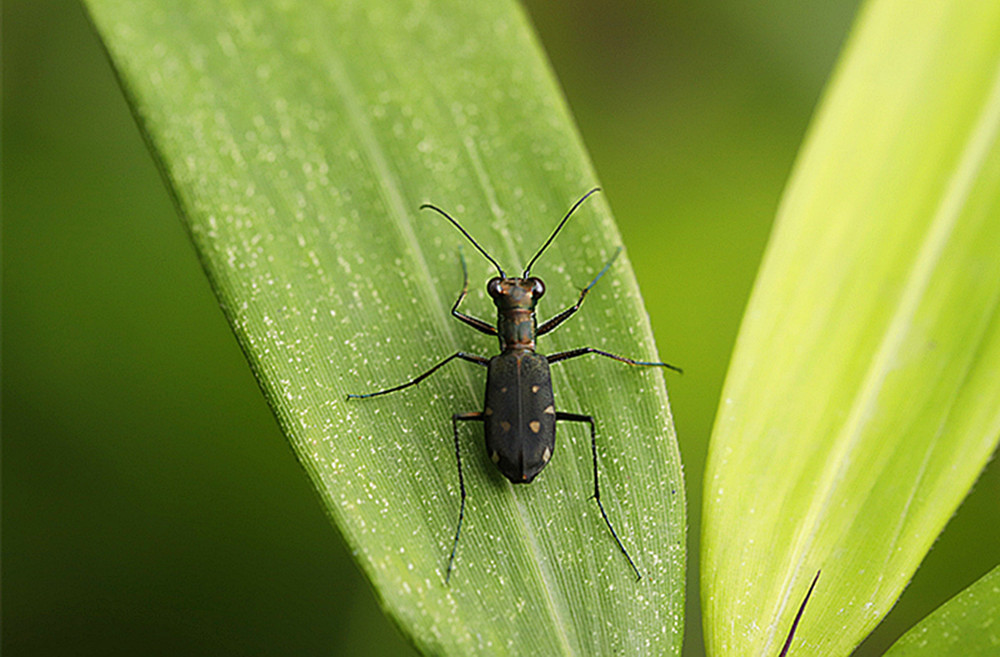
<point>299,142</point>
<point>965,625</point>
<point>865,356</point>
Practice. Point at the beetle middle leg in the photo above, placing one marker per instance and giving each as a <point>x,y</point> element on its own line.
<point>573,353</point>
<point>574,417</point>
<point>472,416</point>
<point>472,358</point>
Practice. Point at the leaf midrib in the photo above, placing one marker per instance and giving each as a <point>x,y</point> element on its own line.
<point>391,186</point>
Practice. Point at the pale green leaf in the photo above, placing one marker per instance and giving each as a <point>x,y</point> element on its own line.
<point>864,395</point>
<point>968,625</point>
<point>299,140</point>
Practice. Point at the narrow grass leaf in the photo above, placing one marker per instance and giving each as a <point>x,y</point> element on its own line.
<point>299,140</point>
<point>864,395</point>
<point>965,626</point>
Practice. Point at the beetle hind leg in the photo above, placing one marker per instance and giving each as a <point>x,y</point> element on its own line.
<point>473,416</point>
<point>574,417</point>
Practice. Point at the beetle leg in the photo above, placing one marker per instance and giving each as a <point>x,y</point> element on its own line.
<point>474,322</point>
<point>472,358</point>
<point>553,322</point>
<point>573,353</point>
<point>455,419</point>
<point>574,417</point>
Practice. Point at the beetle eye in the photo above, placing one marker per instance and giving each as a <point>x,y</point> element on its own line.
<point>493,288</point>
<point>537,288</point>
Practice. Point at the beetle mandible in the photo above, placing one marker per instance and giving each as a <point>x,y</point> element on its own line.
<point>519,414</point>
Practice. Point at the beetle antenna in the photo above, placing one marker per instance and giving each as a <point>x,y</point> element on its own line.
<point>444,214</point>
<point>527,270</point>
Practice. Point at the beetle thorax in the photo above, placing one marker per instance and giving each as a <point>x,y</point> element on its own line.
<point>515,299</point>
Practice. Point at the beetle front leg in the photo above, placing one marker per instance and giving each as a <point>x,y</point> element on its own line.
<point>574,417</point>
<point>553,322</point>
<point>474,322</point>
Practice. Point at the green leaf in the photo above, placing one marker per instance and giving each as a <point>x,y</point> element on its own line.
<point>965,626</point>
<point>864,398</point>
<point>299,140</point>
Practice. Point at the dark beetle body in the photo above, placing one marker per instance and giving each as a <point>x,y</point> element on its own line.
<point>520,414</point>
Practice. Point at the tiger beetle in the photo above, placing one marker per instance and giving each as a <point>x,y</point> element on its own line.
<point>519,415</point>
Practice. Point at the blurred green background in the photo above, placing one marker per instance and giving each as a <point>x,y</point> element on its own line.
<point>150,505</point>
